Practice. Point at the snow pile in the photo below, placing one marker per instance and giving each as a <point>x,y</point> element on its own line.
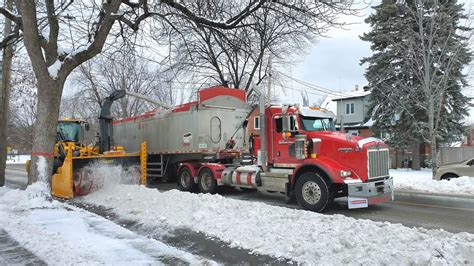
<point>99,175</point>
<point>42,168</point>
<point>306,237</point>
<point>422,181</point>
<point>60,234</point>
<point>54,69</point>
<point>17,159</point>
<point>34,197</point>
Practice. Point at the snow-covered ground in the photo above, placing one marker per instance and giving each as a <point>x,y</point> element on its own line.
<point>17,159</point>
<point>303,236</point>
<point>60,234</point>
<point>422,181</point>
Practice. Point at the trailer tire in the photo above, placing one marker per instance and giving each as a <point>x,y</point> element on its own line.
<point>186,180</point>
<point>206,181</point>
<point>312,192</point>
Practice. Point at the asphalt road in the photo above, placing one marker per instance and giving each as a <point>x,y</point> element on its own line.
<point>453,214</point>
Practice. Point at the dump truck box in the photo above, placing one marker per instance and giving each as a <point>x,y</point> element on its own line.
<point>201,128</point>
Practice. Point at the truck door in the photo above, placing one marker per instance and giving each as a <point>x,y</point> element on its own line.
<point>283,150</point>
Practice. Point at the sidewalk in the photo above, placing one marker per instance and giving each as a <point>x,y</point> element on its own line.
<point>434,194</point>
<point>55,233</point>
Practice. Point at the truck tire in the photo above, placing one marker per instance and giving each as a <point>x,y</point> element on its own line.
<point>206,181</point>
<point>186,180</point>
<point>312,192</point>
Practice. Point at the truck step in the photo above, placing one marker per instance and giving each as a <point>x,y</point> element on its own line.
<point>154,175</point>
<point>155,164</point>
<point>154,169</point>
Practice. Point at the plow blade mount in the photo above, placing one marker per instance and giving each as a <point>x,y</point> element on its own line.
<point>75,177</point>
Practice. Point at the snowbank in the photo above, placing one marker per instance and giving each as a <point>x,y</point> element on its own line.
<point>303,236</point>
<point>60,234</point>
<point>422,181</point>
<point>18,159</point>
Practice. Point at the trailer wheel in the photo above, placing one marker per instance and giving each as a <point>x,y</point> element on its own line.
<point>206,182</point>
<point>186,180</point>
<point>312,192</point>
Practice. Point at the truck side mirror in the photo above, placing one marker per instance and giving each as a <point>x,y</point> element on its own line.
<point>86,126</point>
<point>286,123</point>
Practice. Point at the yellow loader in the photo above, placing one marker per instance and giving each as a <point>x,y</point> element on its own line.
<point>72,173</point>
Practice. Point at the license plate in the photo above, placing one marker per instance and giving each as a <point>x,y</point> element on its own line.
<point>357,202</point>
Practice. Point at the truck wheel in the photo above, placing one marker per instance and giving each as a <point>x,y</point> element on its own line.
<point>186,180</point>
<point>312,192</point>
<point>206,182</point>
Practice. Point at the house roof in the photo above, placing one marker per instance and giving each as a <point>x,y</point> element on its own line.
<point>350,95</point>
<point>329,104</point>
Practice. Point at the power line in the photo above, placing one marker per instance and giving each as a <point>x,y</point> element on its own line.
<point>314,87</point>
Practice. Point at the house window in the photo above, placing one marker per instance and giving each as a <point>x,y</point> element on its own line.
<point>256,122</point>
<point>349,108</point>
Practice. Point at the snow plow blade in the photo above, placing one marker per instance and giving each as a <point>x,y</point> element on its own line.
<point>74,177</point>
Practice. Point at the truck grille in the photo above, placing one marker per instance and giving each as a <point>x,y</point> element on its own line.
<point>377,163</point>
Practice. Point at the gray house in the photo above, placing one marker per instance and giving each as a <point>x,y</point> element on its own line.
<point>351,109</point>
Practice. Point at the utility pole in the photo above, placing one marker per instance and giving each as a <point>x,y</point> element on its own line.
<point>5,73</point>
<point>269,93</point>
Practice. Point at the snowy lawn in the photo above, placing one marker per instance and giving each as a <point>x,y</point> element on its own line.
<point>60,234</point>
<point>18,159</point>
<point>422,181</point>
<point>303,236</point>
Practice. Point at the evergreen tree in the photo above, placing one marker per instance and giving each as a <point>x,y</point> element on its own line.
<point>419,51</point>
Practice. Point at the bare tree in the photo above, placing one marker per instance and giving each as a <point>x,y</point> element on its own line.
<point>416,72</point>
<point>22,105</point>
<point>436,30</point>
<point>55,52</point>
<point>6,44</point>
<point>239,57</point>
<point>96,79</point>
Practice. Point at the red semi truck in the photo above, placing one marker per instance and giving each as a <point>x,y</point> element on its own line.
<point>293,150</point>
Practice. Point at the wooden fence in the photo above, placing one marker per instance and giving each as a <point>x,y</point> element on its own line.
<point>451,155</point>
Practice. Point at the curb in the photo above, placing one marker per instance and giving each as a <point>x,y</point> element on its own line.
<point>434,194</point>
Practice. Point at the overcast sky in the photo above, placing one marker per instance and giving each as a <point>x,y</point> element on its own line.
<point>334,62</point>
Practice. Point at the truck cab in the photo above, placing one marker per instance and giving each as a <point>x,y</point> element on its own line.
<point>320,163</point>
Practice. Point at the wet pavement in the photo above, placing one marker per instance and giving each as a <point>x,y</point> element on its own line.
<point>12,253</point>
<point>188,240</point>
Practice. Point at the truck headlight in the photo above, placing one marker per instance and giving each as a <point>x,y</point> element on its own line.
<point>345,173</point>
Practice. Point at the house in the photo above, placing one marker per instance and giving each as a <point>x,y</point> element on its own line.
<point>352,112</point>
<point>351,109</point>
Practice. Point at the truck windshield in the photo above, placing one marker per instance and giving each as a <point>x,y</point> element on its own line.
<point>70,131</point>
<point>317,123</point>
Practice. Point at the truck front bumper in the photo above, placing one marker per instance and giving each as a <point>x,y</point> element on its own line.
<point>361,195</point>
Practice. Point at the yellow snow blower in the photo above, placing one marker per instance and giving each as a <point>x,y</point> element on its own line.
<point>73,160</point>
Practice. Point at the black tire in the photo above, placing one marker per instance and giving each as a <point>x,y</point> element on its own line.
<point>186,180</point>
<point>448,176</point>
<point>206,181</point>
<point>312,192</point>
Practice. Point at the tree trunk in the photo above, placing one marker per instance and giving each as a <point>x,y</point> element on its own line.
<point>5,96</point>
<point>415,149</point>
<point>434,155</point>
<point>49,101</point>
